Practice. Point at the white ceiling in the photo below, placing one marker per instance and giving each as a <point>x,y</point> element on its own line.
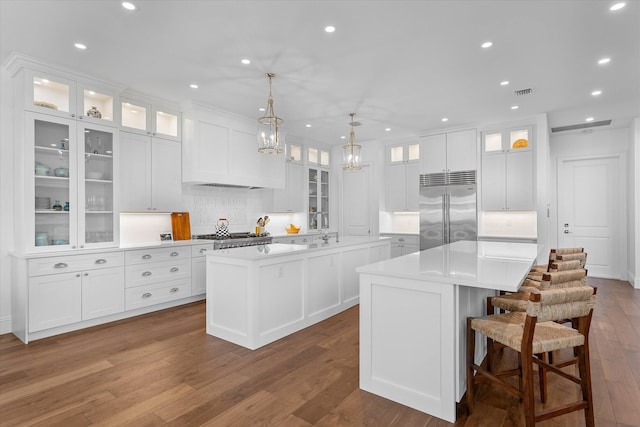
<point>397,64</point>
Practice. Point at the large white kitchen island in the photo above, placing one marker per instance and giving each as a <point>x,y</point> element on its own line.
<point>413,311</point>
<point>258,294</point>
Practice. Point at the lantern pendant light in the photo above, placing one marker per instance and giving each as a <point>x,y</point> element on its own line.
<point>270,127</point>
<point>351,151</point>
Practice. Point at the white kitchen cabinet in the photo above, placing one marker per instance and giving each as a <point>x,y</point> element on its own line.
<point>198,268</point>
<point>318,214</point>
<point>402,177</point>
<point>150,174</point>
<point>102,292</point>
<point>291,198</point>
<point>447,152</point>
<point>403,244</point>
<point>70,97</point>
<point>508,170</point>
<point>144,118</point>
<point>323,286</point>
<point>294,239</point>
<point>222,149</point>
<point>76,170</point>
<point>54,300</point>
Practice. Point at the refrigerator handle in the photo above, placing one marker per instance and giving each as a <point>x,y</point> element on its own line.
<point>444,218</point>
<point>447,218</point>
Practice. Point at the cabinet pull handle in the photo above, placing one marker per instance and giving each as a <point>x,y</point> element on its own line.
<point>401,239</point>
<point>174,254</point>
<point>174,269</point>
<point>78,275</point>
<point>174,290</point>
<point>146,295</point>
<point>203,251</point>
<point>61,265</point>
<point>101,261</point>
<point>73,116</point>
<point>86,274</point>
<point>146,273</point>
<point>147,256</point>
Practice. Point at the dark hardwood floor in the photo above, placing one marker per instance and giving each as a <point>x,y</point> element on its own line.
<point>162,369</point>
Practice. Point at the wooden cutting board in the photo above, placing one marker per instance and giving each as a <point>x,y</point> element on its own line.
<point>180,226</point>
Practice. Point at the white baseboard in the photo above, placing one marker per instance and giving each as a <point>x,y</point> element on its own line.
<point>634,280</point>
<point>5,325</point>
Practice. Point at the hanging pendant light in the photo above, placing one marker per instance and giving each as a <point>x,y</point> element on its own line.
<point>270,127</point>
<point>351,151</point>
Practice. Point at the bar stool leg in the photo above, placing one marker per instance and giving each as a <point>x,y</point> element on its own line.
<point>471,349</point>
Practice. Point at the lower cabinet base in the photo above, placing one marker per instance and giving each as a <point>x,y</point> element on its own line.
<point>32,336</point>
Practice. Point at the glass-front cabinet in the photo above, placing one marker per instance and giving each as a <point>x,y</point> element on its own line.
<point>141,117</point>
<point>318,198</point>
<point>70,193</point>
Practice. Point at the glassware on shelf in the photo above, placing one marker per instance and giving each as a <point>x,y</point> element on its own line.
<point>66,206</point>
<point>42,238</point>
<point>57,206</point>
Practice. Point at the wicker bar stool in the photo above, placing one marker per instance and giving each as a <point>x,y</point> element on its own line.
<point>536,271</point>
<point>536,332</point>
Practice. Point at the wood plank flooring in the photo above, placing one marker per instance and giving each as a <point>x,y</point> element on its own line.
<point>162,369</point>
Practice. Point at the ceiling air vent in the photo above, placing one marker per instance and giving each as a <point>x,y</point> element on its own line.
<point>521,92</point>
<point>580,126</point>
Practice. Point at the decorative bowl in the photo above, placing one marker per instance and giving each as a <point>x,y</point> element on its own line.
<point>62,172</point>
<point>42,169</point>
<point>292,229</point>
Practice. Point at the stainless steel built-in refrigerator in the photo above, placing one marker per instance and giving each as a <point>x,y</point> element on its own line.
<point>447,208</point>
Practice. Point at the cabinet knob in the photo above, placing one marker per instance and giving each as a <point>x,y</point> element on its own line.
<point>86,274</point>
<point>203,251</point>
<point>146,295</point>
<point>174,290</point>
<point>146,273</point>
<point>81,246</point>
<point>61,265</point>
<point>174,254</point>
<point>101,261</point>
<point>147,256</point>
<point>73,116</point>
<point>174,269</point>
<point>78,275</point>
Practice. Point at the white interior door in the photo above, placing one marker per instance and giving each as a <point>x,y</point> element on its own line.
<point>589,211</point>
<point>356,209</point>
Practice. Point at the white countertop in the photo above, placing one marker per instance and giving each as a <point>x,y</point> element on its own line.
<point>489,265</point>
<point>254,253</point>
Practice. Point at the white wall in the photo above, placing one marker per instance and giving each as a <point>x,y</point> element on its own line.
<point>583,145</point>
<point>6,197</point>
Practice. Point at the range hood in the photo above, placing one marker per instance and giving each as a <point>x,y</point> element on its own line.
<point>248,187</point>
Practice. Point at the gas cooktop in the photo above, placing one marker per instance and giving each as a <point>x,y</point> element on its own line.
<point>235,240</point>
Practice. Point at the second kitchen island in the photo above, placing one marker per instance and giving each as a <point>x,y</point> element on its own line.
<point>259,294</point>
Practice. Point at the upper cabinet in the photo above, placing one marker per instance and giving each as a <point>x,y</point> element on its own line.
<point>291,197</point>
<point>145,118</point>
<point>63,97</point>
<point>402,177</point>
<point>508,169</point>
<point>448,152</point>
<point>223,149</point>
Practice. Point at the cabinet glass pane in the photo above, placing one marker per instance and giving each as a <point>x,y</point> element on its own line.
<point>134,116</point>
<point>295,153</point>
<point>52,190</point>
<point>50,94</point>
<point>324,158</point>
<point>397,154</point>
<point>312,155</point>
<point>324,199</point>
<point>98,185</point>
<point>414,152</point>
<point>519,139</point>
<point>493,142</point>
<point>98,105</point>
<point>313,199</point>
<point>166,123</point>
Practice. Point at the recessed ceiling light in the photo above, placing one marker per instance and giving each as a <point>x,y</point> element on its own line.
<point>596,93</point>
<point>444,119</point>
<point>588,119</point>
<point>343,137</point>
<point>329,29</point>
<point>486,45</point>
<point>387,129</point>
<point>308,125</point>
<point>80,46</point>
<point>617,6</point>
<point>129,6</point>
<point>193,86</point>
<point>246,61</point>
<point>604,61</point>
<point>504,82</point>
<point>261,109</point>
<point>514,107</point>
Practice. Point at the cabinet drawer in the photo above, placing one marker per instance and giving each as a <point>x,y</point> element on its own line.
<point>69,263</point>
<point>142,256</point>
<point>201,250</point>
<point>403,239</point>
<point>143,296</point>
<point>143,274</point>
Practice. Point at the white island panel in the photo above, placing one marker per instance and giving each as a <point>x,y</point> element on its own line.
<point>281,296</point>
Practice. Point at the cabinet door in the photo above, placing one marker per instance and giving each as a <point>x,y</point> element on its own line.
<point>135,172</point>
<point>135,116</point>
<point>396,250</point>
<point>408,248</point>
<point>49,94</point>
<point>102,292</point>
<point>166,123</point>
<point>519,180</point>
<point>199,275</point>
<point>433,156</point>
<point>166,175</point>
<point>493,182</point>
<point>461,150</point>
<point>413,187</point>
<point>290,199</point>
<point>396,187</point>
<point>54,300</point>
